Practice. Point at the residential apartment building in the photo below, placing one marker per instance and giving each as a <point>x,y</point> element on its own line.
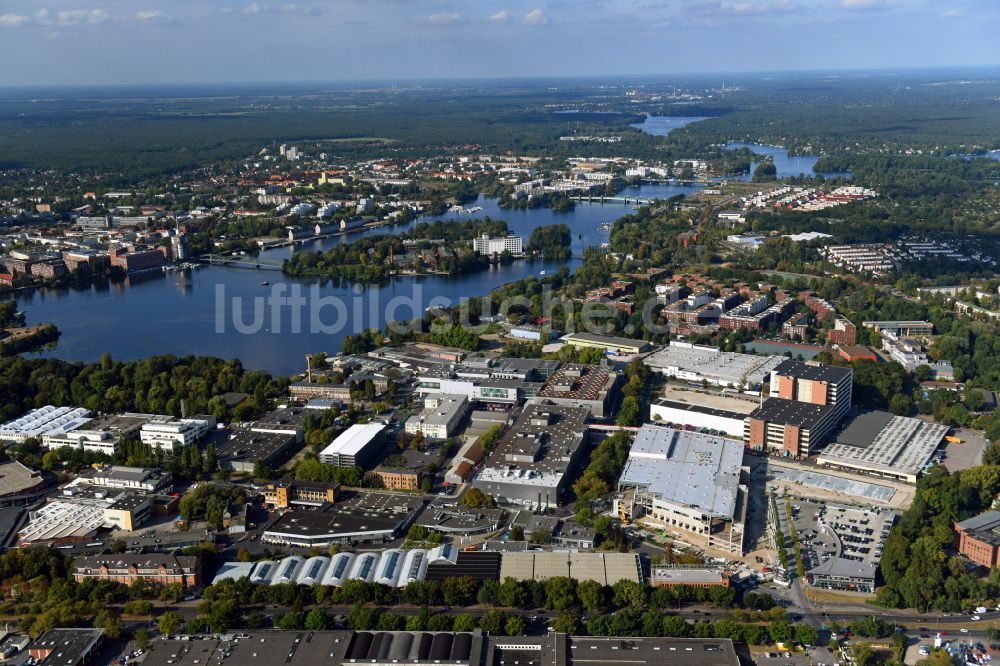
<point>843,332</point>
<point>128,568</point>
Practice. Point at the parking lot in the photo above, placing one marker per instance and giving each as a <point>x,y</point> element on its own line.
<point>967,454</point>
<point>828,530</point>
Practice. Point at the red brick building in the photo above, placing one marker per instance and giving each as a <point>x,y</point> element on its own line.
<point>979,538</point>
<point>127,568</point>
<point>843,332</point>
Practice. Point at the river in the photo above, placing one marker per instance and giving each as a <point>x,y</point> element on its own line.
<point>192,312</point>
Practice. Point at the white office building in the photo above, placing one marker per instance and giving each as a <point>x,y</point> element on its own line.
<point>441,415</point>
<point>164,432</point>
<point>486,245</point>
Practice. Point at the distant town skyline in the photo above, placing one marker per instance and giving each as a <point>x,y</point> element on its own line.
<point>62,42</point>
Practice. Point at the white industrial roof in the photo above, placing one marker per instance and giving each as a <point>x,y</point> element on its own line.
<point>712,364</point>
<point>904,444</point>
<point>686,468</point>
<point>354,439</point>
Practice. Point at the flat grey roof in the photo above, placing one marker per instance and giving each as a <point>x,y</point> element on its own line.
<point>690,407</point>
<point>792,412</point>
<point>607,651</point>
<point>15,478</point>
<point>883,442</point>
<point>814,372</point>
<point>686,468</point>
<point>710,363</point>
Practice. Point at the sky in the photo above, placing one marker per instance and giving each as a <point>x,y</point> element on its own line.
<point>84,42</point>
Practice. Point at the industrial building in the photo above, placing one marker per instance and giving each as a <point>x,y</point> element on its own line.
<point>489,381</point>
<point>901,329</point>
<point>361,518</point>
<point>405,648</point>
<point>592,386</point>
<point>604,568</point>
<point>689,482</point>
<point>356,446</point>
<point>166,432</point>
<point>886,445</point>
<point>669,576</point>
<point>608,343</point>
<point>142,479</point>
<point>98,435</point>
<point>43,421</point>
<point>679,413</point>
<point>693,363</point>
<point>440,417</point>
<point>537,458</point>
<point>67,646</point>
<point>979,538</point>
<point>246,447</point>
<point>62,521</point>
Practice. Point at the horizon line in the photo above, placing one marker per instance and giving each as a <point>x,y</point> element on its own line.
<point>412,81</point>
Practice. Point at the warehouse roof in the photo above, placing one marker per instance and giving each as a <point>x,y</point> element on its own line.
<point>353,440</point>
<point>880,441</point>
<point>686,468</point>
<point>605,568</point>
<point>712,364</point>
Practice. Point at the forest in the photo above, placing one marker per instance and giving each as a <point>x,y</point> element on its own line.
<point>154,385</point>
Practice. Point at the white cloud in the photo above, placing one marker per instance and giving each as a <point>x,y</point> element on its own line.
<point>442,18</point>
<point>151,16</point>
<point>82,16</point>
<point>867,4</point>
<point>292,8</point>
<point>13,20</point>
<point>953,13</point>
<point>745,8</point>
<point>535,17</point>
<point>501,16</point>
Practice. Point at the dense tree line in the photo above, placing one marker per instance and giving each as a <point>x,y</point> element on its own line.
<point>919,563</point>
<point>152,385</point>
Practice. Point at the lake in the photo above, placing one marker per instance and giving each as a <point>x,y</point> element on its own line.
<point>192,312</point>
<point>786,165</point>
<point>664,125</point>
